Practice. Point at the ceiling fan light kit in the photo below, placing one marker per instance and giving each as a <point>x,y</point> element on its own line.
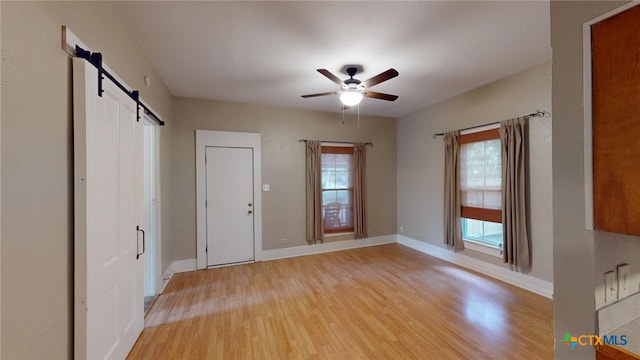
<point>351,97</point>
<point>353,90</point>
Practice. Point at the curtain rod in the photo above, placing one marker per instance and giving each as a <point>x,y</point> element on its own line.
<point>538,113</point>
<point>337,142</point>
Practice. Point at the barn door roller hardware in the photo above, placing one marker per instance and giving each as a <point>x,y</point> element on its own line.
<point>95,58</point>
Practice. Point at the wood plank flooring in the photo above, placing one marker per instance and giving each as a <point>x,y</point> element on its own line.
<point>382,302</point>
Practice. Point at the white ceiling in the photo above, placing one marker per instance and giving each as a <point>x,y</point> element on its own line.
<point>268,52</point>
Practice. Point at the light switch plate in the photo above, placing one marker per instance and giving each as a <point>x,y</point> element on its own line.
<point>266,187</point>
<point>624,281</point>
<point>610,287</point>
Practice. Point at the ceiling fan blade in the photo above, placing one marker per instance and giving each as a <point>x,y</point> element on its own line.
<point>381,96</point>
<point>320,94</point>
<point>330,76</point>
<point>384,76</point>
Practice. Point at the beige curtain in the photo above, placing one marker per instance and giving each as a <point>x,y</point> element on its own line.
<point>313,153</point>
<point>360,191</point>
<point>452,229</point>
<point>516,247</point>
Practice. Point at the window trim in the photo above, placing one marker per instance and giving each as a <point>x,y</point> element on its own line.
<point>332,149</point>
<point>337,234</point>
<point>483,214</point>
<point>482,248</point>
<point>347,149</point>
<point>482,135</point>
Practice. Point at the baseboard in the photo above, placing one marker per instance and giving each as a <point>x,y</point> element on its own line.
<point>177,266</point>
<point>303,250</point>
<point>527,282</point>
<point>190,264</point>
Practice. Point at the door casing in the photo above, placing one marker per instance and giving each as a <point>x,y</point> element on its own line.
<point>205,138</point>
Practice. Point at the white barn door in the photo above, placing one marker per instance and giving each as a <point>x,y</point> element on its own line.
<point>108,167</point>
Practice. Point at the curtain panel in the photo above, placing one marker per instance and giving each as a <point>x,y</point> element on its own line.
<point>516,247</point>
<point>313,154</point>
<point>452,227</point>
<point>360,228</point>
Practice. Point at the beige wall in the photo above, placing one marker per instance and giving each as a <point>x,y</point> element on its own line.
<point>421,159</point>
<point>282,165</point>
<point>37,214</point>
<point>581,256</point>
<point>0,178</point>
<point>36,152</point>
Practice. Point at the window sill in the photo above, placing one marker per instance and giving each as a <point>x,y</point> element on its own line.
<point>471,245</point>
<point>330,235</point>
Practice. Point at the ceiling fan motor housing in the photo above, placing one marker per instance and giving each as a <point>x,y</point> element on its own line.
<point>351,83</point>
<point>352,71</point>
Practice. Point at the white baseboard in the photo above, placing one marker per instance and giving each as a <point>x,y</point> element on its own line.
<point>527,282</point>
<point>326,247</point>
<point>177,266</point>
<point>191,264</point>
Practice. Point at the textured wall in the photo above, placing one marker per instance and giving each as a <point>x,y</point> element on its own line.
<point>283,208</point>
<point>37,168</point>
<point>421,159</point>
<point>580,255</point>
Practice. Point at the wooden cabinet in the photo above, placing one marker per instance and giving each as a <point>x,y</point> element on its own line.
<point>616,123</point>
<point>610,352</point>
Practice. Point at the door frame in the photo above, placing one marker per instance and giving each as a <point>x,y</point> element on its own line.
<point>155,243</point>
<point>588,109</point>
<point>205,138</point>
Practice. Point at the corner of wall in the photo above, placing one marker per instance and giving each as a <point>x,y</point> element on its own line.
<point>177,266</point>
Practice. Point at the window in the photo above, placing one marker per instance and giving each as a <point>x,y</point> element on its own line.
<point>481,187</point>
<point>337,189</point>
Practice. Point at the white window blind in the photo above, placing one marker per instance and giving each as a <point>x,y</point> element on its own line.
<point>481,174</point>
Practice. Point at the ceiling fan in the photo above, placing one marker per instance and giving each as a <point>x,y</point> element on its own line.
<point>353,90</point>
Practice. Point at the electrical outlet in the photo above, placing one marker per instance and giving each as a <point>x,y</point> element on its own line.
<point>283,241</point>
<point>401,229</point>
<point>610,287</point>
<point>624,280</point>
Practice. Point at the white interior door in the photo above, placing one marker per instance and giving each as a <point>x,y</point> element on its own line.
<point>108,208</point>
<point>229,205</point>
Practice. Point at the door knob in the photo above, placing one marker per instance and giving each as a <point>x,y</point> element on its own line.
<point>250,212</point>
<point>250,204</point>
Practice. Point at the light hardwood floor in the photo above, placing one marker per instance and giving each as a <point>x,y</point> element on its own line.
<point>382,302</point>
